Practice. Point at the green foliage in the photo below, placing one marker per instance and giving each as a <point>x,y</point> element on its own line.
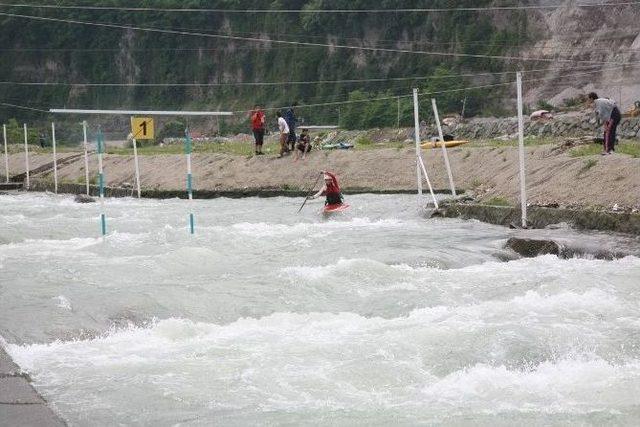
<point>15,133</point>
<point>544,105</point>
<point>363,140</point>
<point>172,129</point>
<point>498,201</point>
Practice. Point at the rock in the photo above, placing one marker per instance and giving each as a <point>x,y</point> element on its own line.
<point>83,198</point>
<point>532,248</point>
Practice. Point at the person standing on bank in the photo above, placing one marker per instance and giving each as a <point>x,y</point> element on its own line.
<point>608,112</point>
<point>283,128</point>
<point>258,128</point>
<point>290,117</point>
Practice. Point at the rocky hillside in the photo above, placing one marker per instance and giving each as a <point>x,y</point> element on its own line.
<point>604,35</point>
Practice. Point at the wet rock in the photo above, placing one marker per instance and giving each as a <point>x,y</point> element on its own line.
<point>533,247</point>
<point>83,198</point>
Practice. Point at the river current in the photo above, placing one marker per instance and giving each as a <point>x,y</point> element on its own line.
<point>373,317</point>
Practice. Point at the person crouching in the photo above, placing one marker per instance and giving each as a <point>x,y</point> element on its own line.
<point>304,145</point>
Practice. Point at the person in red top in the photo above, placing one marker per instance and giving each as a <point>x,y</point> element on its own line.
<point>331,190</point>
<point>258,128</point>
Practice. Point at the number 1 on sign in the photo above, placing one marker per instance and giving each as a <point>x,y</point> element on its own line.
<point>142,128</point>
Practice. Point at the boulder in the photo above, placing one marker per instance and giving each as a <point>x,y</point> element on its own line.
<point>83,198</point>
<point>531,248</point>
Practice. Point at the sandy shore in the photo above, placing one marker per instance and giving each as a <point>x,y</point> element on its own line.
<point>485,172</point>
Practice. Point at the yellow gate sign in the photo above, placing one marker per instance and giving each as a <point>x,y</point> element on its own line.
<point>142,127</point>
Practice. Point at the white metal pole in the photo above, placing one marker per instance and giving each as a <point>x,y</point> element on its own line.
<point>416,119</point>
<point>187,150</point>
<point>55,160</point>
<point>101,182</point>
<point>86,156</point>
<point>26,157</point>
<point>135,159</point>
<point>398,122</point>
<point>137,165</point>
<point>6,153</point>
<point>523,194</point>
<point>426,177</point>
<point>444,149</point>
<point>419,163</point>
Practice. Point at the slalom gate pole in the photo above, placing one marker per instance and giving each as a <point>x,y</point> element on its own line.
<point>187,151</point>
<point>444,149</point>
<point>6,153</point>
<point>416,120</point>
<point>100,149</point>
<point>55,160</point>
<point>523,192</point>
<point>26,157</point>
<point>136,165</point>
<point>86,156</point>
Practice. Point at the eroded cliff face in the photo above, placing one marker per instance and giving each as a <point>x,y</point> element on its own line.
<point>604,36</point>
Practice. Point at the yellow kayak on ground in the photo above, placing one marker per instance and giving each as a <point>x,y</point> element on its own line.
<point>447,144</point>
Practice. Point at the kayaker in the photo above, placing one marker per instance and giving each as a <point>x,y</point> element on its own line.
<point>331,190</point>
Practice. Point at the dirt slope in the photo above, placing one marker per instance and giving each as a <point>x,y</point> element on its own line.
<point>487,172</point>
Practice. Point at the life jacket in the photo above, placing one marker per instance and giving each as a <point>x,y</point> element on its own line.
<point>332,192</point>
<point>256,120</point>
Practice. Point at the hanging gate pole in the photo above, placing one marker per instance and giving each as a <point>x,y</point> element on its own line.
<point>523,193</point>
<point>86,156</point>
<point>26,157</point>
<point>6,153</point>
<point>55,160</point>
<point>103,217</point>
<point>187,151</point>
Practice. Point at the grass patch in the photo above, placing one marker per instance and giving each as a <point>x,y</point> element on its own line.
<point>466,155</point>
<point>528,141</point>
<point>236,148</point>
<point>588,164</point>
<point>625,147</point>
<point>498,201</point>
<point>475,183</point>
<point>363,140</point>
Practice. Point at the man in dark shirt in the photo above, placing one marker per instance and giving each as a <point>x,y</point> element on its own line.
<point>290,118</point>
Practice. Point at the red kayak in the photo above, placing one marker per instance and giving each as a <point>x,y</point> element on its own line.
<point>338,207</point>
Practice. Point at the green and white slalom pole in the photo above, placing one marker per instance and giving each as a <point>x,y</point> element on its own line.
<point>26,157</point>
<point>187,151</point>
<point>100,149</point>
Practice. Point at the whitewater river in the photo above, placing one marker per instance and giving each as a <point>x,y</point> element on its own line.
<point>376,317</point>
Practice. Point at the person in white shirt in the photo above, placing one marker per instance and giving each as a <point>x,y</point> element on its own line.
<point>607,111</point>
<point>283,127</point>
